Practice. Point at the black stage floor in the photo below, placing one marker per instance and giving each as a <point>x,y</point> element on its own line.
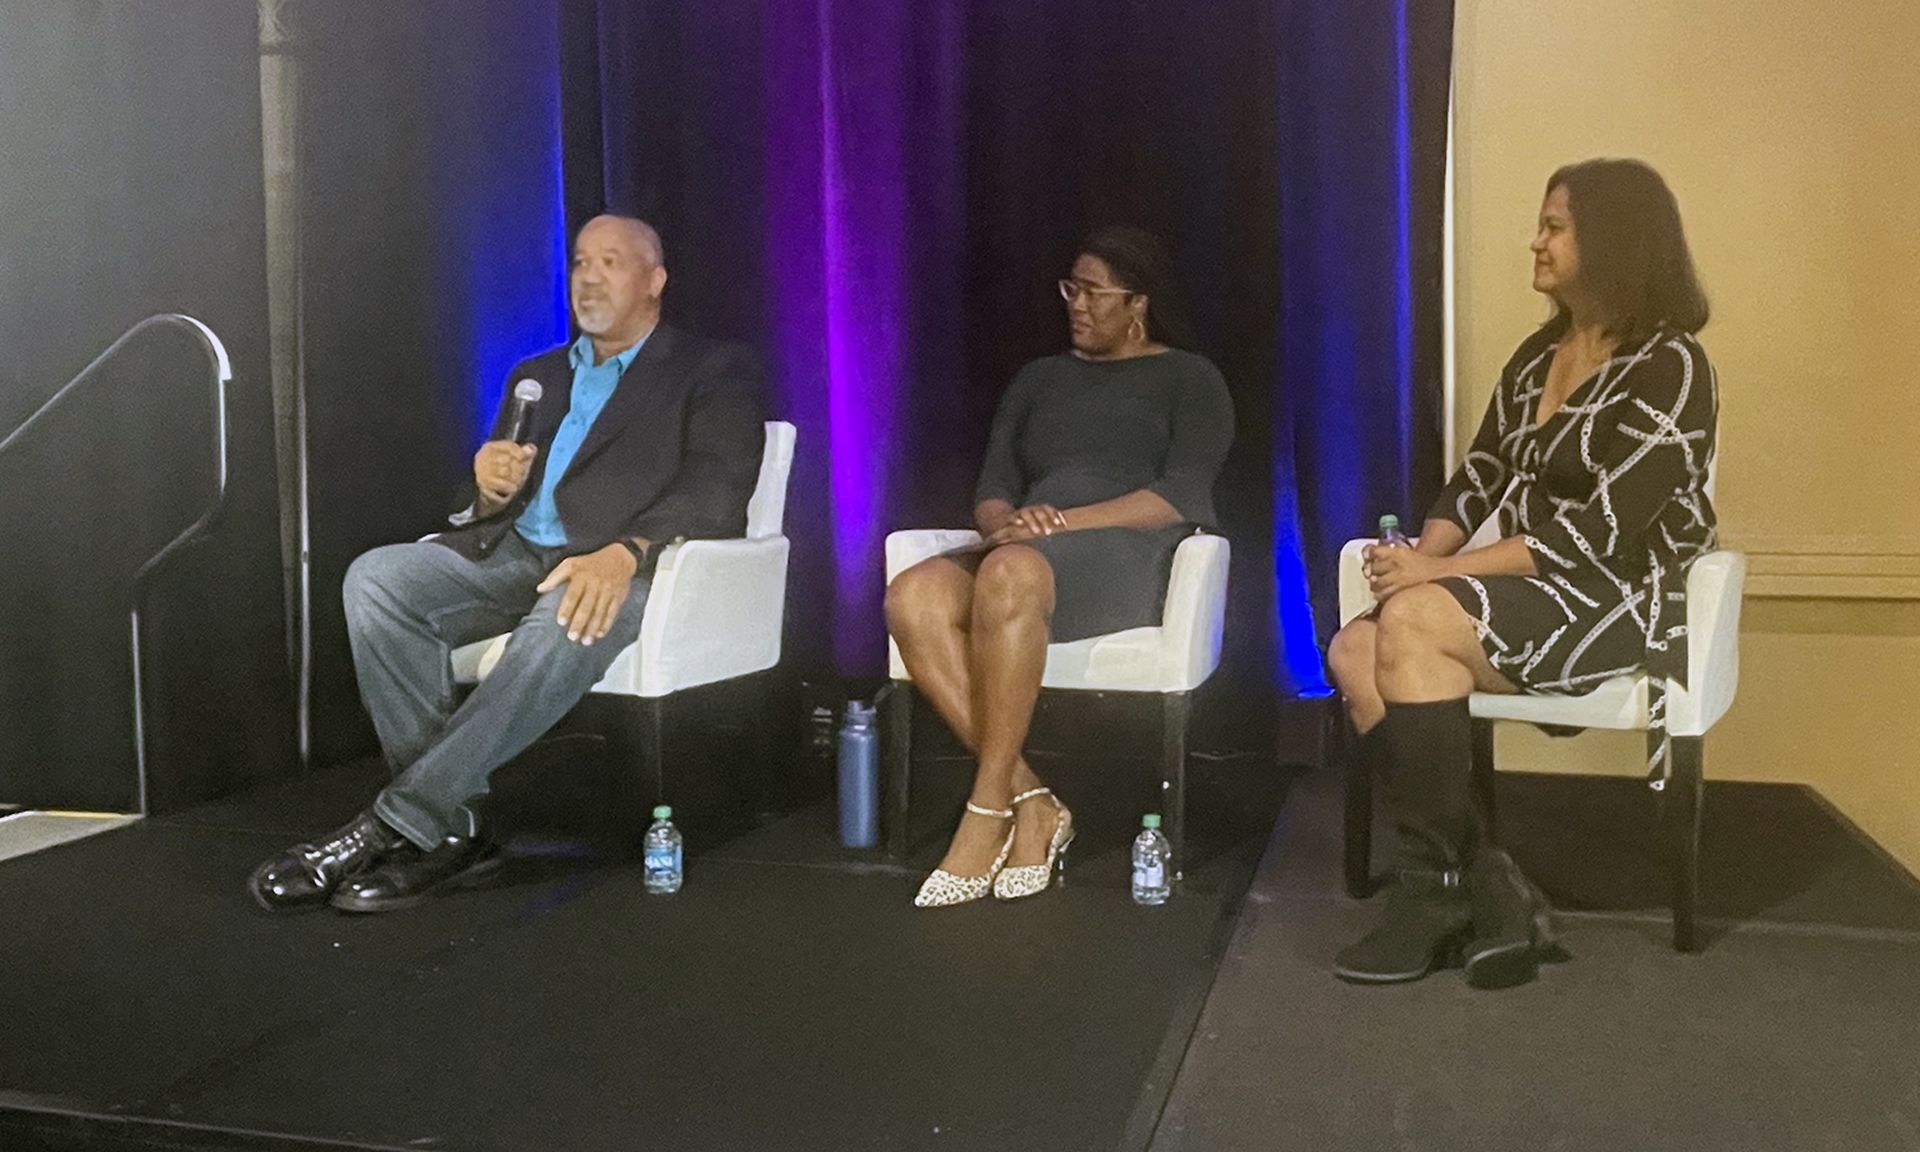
<point>791,998</point>
<point>788,997</point>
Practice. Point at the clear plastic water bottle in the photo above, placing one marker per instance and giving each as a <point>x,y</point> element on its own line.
<point>662,853</point>
<point>1151,855</point>
<point>1390,531</point>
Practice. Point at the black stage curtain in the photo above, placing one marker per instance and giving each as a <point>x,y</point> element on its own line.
<point>1017,129</point>
<point>1360,427</point>
<point>434,259</point>
<point>132,186</point>
<point>454,145</point>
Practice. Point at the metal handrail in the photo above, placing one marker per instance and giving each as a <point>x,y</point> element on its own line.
<point>222,376</point>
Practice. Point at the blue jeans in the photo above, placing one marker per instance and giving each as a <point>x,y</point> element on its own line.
<point>408,606</point>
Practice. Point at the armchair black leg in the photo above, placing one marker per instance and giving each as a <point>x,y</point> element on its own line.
<point>1173,775</point>
<point>653,743</point>
<point>764,776</point>
<point>1358,855</point>
<point>1483,778</point>
<point>1682,802</point>
<point>897,764</point>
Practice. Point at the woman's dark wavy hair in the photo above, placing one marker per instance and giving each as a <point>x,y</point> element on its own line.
<point>1142,264</point>
<point>1633,253</point>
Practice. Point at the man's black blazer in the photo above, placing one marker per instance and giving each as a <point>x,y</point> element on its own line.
<point>674,454</point>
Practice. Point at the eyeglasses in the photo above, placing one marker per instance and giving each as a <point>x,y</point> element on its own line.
<point>1071,290</point>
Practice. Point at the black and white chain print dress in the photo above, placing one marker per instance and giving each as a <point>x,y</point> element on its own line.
<point>1610,495</point>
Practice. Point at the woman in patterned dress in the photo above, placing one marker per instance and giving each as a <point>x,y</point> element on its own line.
<point>1593,461</point>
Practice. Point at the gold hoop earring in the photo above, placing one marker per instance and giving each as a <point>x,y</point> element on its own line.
<point>1137,330</point>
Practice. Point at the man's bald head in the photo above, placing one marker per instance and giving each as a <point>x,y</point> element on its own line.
<point>642,232</point>
<point>618,274</point>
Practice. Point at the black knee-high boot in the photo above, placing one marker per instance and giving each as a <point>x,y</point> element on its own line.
<point>1428,756</point>
<point>1513,927</point>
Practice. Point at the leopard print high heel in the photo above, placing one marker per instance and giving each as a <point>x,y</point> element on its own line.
<point>943,889</point>
<point>1032,879</point>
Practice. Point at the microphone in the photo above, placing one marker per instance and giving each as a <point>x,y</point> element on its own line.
<point>526,394</point>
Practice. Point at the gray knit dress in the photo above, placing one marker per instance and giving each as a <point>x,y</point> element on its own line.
<point>1072,432</point>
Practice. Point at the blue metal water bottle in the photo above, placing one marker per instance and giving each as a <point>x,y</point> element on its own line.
<point>859,778</point>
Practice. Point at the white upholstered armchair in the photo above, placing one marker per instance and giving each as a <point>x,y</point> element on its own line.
<point>1169,659</point>
<point>1714,586</point>
<point>715,611</point>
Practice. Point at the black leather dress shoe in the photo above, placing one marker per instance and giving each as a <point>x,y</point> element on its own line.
<point>407,875</point>
<point>305,875</point>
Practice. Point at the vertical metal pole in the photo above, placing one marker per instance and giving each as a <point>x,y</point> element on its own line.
<point>280,156</point>
<point>139,716</point>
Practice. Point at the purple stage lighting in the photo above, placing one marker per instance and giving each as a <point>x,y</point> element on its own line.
<point>838,216</point>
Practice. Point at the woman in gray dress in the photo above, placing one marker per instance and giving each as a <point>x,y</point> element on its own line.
<point>1101,460</point>
<point>1593,462</point>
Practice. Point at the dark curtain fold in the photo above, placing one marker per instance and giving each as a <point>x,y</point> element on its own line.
<point>1363,91</point>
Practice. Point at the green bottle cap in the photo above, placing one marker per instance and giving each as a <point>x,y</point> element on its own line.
<point>663,813</point>
<point>1389,523</point>
<point>1150,820</point>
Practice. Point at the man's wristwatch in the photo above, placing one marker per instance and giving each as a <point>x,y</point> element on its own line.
<point>639,553</point>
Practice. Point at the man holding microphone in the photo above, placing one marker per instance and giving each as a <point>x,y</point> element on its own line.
<point>633,436</point>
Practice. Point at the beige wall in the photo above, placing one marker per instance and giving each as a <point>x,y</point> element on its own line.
<point>1788,133</point>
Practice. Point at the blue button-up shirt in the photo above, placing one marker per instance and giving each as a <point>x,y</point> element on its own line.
<point>593,386</point>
